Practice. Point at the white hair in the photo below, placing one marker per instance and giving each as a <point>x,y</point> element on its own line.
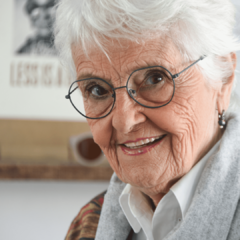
<point>196,27</point>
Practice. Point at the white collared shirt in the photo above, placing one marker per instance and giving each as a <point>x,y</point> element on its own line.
<point>170,211</point>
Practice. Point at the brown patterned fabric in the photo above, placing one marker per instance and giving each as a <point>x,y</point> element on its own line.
<point>84,226</point>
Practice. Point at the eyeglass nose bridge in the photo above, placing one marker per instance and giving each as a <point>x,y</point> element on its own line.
<point>130,91</point>
<point>119,87</point>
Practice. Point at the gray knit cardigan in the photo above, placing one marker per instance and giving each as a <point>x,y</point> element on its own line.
<point>214,213</point>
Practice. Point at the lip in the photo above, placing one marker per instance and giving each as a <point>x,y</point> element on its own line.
<point>139,151</point>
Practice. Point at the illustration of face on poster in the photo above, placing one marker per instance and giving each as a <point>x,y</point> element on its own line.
<point>34,20</point>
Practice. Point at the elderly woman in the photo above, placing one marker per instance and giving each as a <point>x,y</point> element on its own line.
<point>154,80</point>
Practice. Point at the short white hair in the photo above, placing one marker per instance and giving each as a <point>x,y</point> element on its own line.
<point>196,27</point>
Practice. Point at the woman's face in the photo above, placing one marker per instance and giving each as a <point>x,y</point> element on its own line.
<point>187,126</point>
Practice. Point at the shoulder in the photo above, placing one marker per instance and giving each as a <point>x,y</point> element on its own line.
<point>84,225</point>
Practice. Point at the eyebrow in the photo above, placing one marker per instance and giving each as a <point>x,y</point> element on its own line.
<point>89,75</point>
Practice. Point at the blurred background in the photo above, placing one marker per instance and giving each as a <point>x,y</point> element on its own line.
<point>47,167</point>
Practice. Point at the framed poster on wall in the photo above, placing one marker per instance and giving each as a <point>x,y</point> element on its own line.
<point>36,121</point>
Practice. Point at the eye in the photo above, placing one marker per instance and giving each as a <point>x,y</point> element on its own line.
<point>97,91</point>
<point>154,79</point>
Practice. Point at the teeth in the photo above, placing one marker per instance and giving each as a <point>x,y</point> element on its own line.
<point>134,145</point>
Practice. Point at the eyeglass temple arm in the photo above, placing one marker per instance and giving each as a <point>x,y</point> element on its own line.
<point>177,74</point>
<point>68,96</point>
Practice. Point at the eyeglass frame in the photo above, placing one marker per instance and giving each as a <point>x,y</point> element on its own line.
<point>68,96</point>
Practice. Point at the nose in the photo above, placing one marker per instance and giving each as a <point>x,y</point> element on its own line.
<point>127,114</point>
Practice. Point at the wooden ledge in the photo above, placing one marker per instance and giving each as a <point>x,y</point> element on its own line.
<point>54,172</point>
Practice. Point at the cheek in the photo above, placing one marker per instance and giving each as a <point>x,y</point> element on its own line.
<point>189,120</point>
<point>179,120</point>
<point>173,118</point>
<point>102,135</point>
<point>102,132</point>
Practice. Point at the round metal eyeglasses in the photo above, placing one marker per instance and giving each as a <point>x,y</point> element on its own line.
<point>151,87</point>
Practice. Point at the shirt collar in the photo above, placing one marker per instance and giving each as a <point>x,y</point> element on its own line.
<point>126,205</point>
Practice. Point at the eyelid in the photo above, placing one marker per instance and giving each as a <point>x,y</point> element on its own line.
<point>151,71</point>
<point>90,85</point>
<point>157,71</point>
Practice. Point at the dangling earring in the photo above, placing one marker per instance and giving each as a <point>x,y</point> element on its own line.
<point>221,121</point>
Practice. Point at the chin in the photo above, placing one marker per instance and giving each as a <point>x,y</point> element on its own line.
<point>145,176</point>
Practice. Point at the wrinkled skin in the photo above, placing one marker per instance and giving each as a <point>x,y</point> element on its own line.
<point>190,120</point>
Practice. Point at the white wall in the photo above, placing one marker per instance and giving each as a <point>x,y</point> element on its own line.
<point>42,210</point>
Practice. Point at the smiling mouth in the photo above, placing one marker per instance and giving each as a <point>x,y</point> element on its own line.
<point>144,142</point>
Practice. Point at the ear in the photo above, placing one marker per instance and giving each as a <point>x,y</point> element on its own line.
<point>224,93</point>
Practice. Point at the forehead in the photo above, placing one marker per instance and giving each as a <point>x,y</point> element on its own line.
<point>125,57</point>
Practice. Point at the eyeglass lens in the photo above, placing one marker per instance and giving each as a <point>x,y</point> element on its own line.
<point>93,98</point>
<point>150,87</point>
